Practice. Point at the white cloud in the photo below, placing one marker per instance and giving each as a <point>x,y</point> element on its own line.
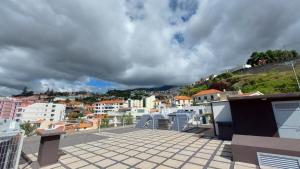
<point>61,43</point>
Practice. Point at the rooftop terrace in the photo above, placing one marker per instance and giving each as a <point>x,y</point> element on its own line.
<point>136,148</point>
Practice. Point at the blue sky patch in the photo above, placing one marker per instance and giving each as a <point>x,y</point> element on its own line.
<point>178,37</point>
<point>183,9</point>
<point>98,83</point>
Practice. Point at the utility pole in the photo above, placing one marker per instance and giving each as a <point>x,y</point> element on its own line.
<point>152,122</point>
<point>293,66</point>
<point>296,77</point>
<point>99,123</point>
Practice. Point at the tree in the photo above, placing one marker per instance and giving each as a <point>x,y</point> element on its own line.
<point>220,85</point>
<point>74,115</point>
<point>105,122</point>
<point>28,128</point>
<point>271,56</point>
<point>129,119</point>
<point>24,91</point>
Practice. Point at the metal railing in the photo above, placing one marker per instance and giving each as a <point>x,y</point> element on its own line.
<point>11,143</point>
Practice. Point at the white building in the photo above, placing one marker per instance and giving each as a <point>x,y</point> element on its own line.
<point>207,96</point>
<point>105,106</point>
<point>182,101</point>
<point>41,111</point>
<point>135,103</point>
<point>150,102</point>
<point>147,102</point>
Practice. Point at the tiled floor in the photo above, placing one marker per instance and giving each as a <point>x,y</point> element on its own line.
<point>148,149</point>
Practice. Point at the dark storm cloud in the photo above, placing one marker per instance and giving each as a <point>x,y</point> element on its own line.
<point>63,43</point>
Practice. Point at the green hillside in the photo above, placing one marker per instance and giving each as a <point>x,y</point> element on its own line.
<point>273,81</point>
<point>268,79</point>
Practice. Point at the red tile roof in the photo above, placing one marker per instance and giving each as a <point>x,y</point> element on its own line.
<point>183,98</point>
<point>111,101</point>
<point>206,92</point>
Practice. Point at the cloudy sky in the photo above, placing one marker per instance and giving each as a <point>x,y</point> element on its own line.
<point>93,45</point>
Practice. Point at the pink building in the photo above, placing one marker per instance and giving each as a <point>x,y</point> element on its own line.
<point>8,108</point>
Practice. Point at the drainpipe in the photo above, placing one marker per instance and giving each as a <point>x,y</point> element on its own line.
<point>213,118</point>
<point>177,123</point>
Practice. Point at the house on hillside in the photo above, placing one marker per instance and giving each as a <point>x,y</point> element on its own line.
<point>206,96</point>
<point>182,101</point>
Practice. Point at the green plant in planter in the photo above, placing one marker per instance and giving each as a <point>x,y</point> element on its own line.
<point>28,128</point>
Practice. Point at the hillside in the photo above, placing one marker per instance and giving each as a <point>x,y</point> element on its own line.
<point>268,79</point>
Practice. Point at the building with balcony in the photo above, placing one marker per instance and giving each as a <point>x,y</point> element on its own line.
<point>41,111</point>
<point>8,108</point>
<point>105,106</point>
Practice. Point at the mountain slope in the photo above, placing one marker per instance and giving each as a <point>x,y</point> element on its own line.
<point>268,79</point>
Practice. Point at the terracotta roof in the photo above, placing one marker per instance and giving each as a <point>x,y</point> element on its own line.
<point>205,92</point>
<point>183,98</point>
<point>154,110</point>
<point>111,101</point>
<point>60,123</point>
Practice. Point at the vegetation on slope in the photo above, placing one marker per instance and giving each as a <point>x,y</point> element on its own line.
<point>271,56</point>
<point>277,79</point>
<point>268,83</point>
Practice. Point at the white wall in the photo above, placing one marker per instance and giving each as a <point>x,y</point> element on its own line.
<point>222,113</point>
<point>150,102</point>
<point>42,111</point>
<point>287,116</point>
<point>207,98</point>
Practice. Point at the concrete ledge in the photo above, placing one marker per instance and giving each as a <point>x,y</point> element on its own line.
<point>245,148</point>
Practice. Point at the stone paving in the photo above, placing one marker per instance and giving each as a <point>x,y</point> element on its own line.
<point>147,149</point>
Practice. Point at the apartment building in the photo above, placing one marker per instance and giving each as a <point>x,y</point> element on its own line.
<point>8,108</point>
<point>41,111</point>
<point>147,102</point>
<point>105,106</point>
<point>135,103</point>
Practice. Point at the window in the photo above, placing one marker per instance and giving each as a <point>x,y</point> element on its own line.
<point>53,105</point>
<point>212,97</point>
<point>52,115</point>
<point>45,114</point>
<point>205,97</point>
<point>52,110</point>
